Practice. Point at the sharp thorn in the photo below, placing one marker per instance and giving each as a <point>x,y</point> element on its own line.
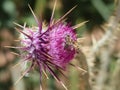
<point>45,74</point>
<point>78,67</point>
<point>18,25</point>
<point>12,47</point>
<point>23,33</point>
<point>65,14</point>
<point>63,85</point>
<point>79,25</point>
<point>17,40</point>
<point>20,78</point>
<point>33,14</point>
<point>41,87</point>
<point>53,11</point>
<point>16,65</point>
<point>15,53</point>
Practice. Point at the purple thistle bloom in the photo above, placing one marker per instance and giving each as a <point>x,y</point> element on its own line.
<point>49,48</point>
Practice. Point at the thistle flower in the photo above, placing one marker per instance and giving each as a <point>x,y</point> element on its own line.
<point>49,48</point>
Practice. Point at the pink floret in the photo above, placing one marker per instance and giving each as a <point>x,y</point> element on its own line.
<point>61,54</point>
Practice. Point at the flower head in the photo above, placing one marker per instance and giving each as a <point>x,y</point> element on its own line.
<point>49,48</point>
<point>52,46</point>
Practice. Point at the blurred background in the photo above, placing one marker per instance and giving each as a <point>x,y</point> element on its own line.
<point>99,43</point>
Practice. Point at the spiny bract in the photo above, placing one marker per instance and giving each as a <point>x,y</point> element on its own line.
<point>50,47</point>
